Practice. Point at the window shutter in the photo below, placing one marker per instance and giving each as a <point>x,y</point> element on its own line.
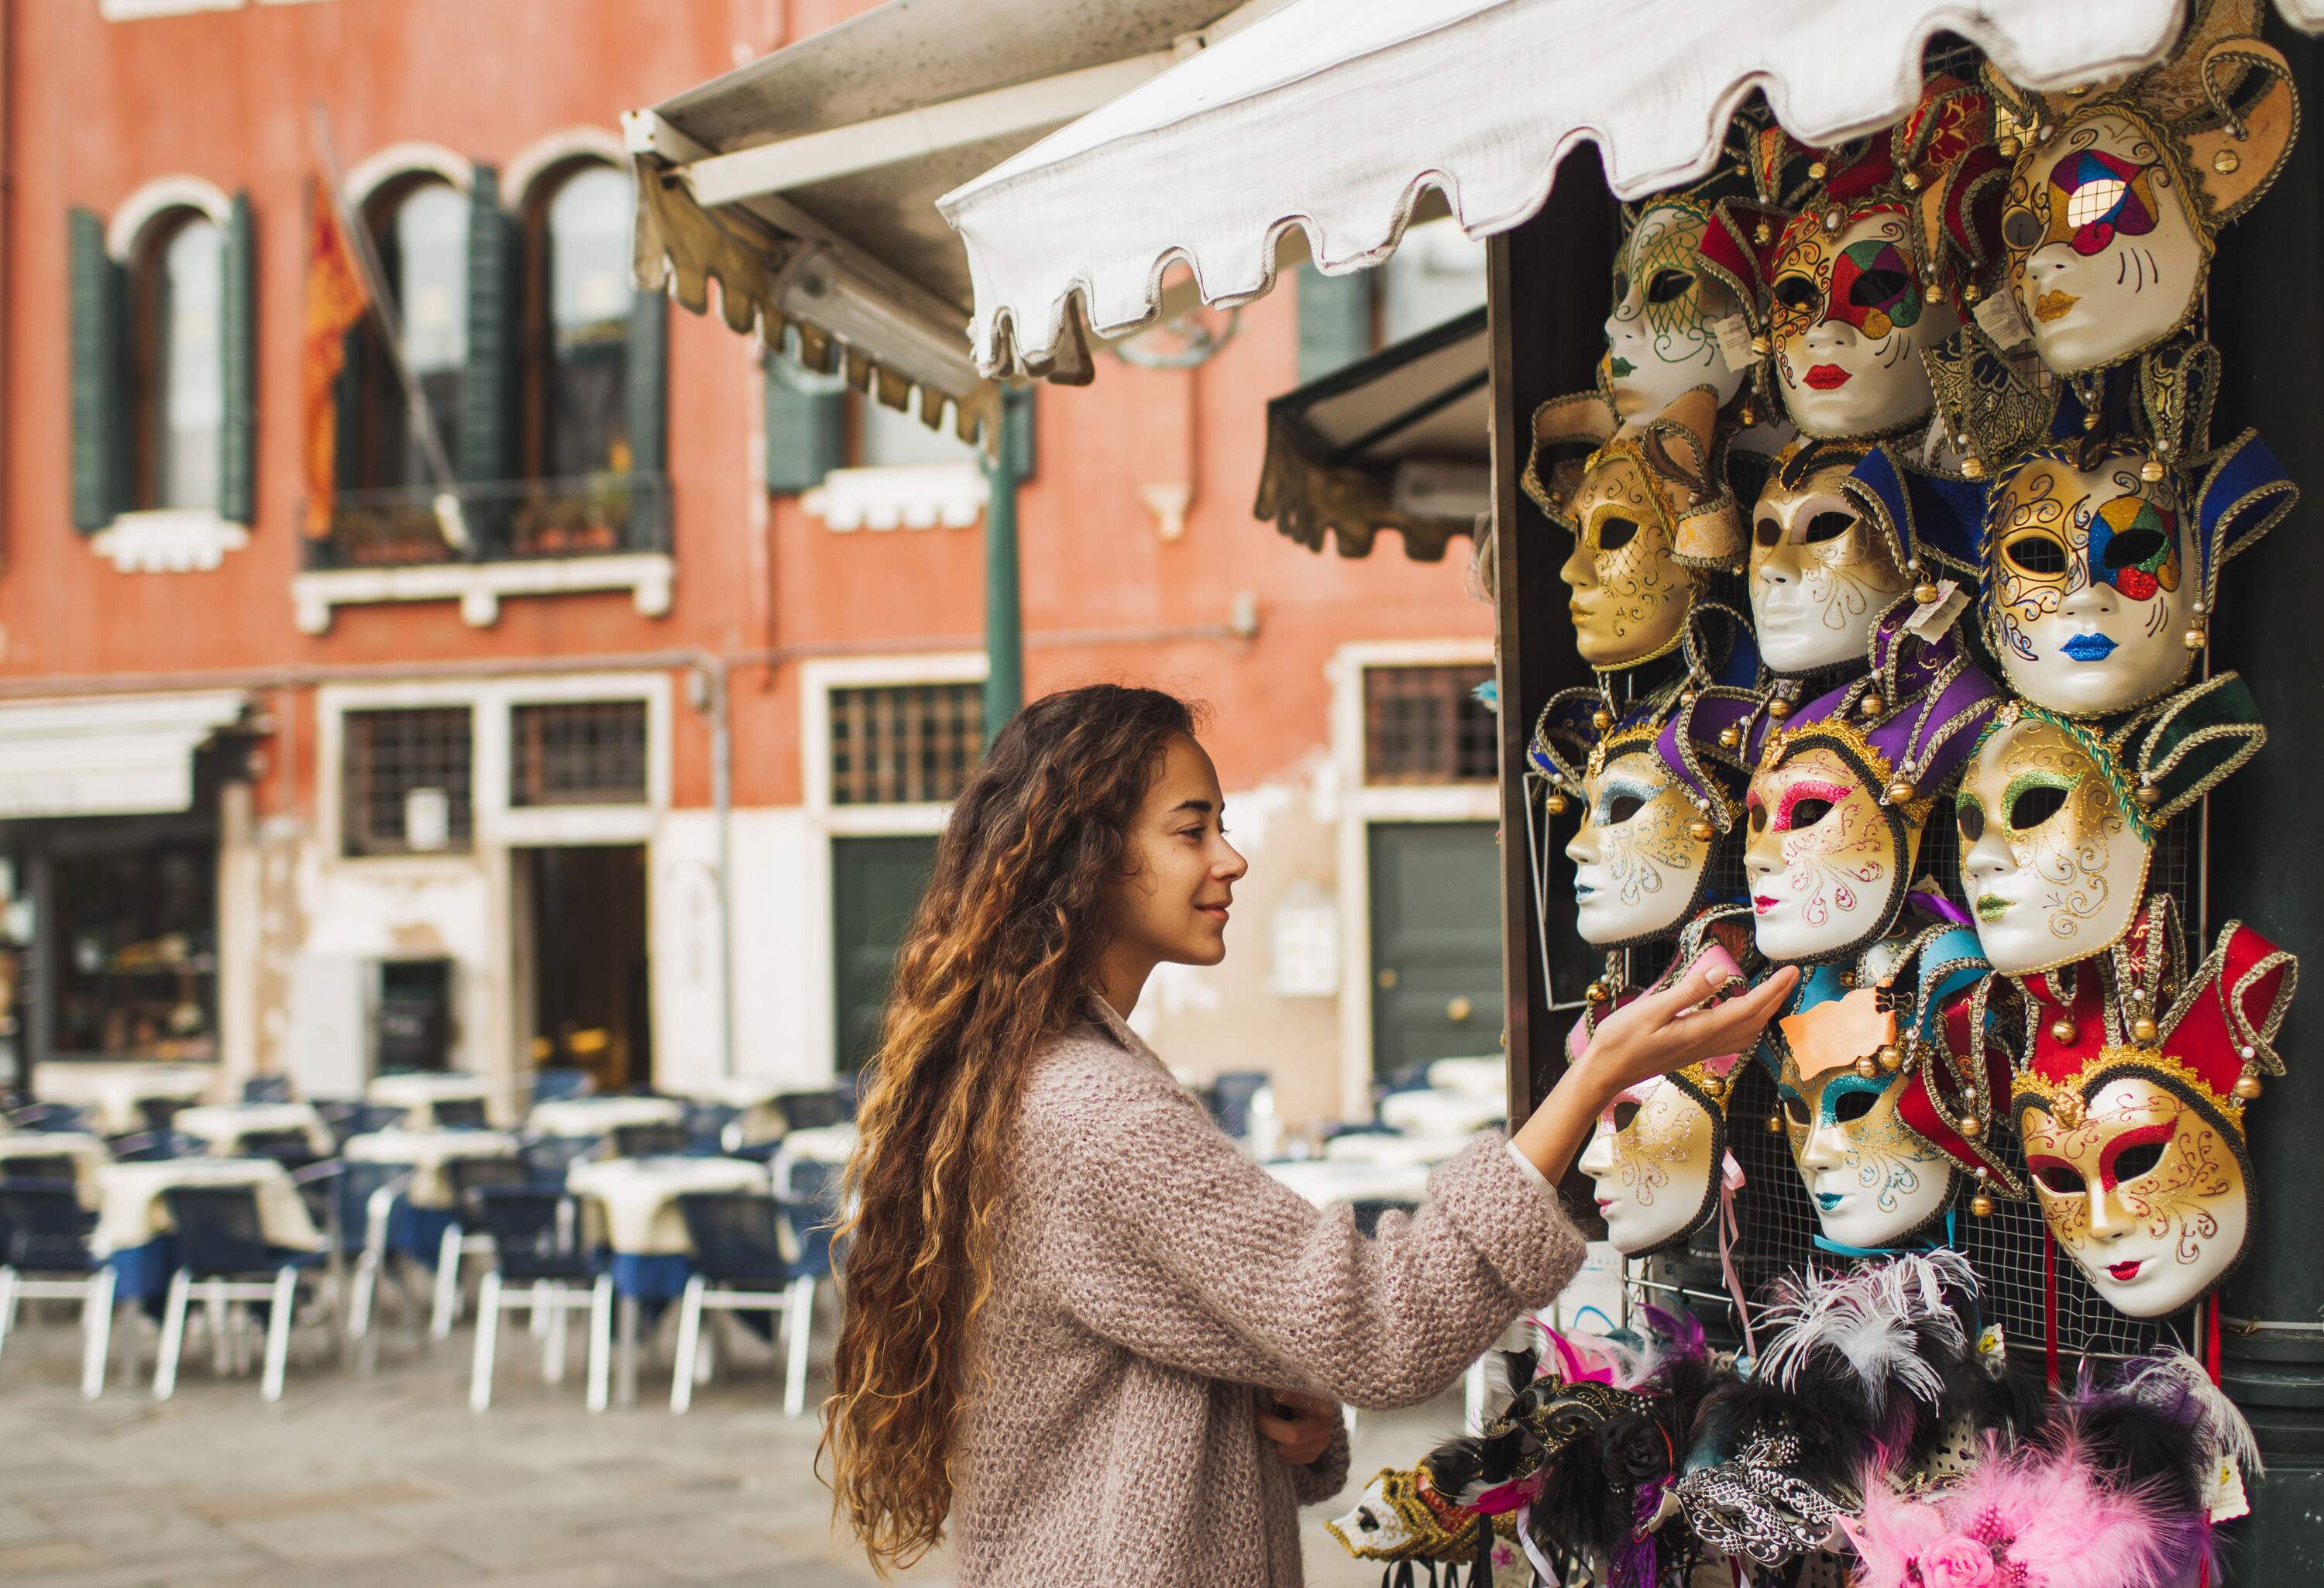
<point>486,448</point>
<point>1335,321</point>
<point>646,391</point>
<point>237,353</point>
<point>96,292</point>
<point>806,434</point>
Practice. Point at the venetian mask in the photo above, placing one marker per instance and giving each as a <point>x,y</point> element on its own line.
<point>1656,1156</point>
<point>1630,595</point>
<point>1821,572</point>
<point>1873,1179</point>
<point>1638,865</point>
<point>1848,321</point>
<point>2052,861</point>
<point>2144,1191</point>
<point>2092,583</point>
<point>1826,864</point>
<point>1659,340</point>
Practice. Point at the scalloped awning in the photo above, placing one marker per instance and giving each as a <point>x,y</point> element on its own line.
<point>1333,118</point>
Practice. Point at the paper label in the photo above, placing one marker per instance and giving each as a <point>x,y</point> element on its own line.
<point>1734,335</point>
<point>1998,316</point>
<point>2223,1491</point>
<point>1839,1031</point>
<point>1933,619</point>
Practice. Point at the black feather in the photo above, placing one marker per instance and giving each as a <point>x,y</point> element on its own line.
<point>2137,1442</point>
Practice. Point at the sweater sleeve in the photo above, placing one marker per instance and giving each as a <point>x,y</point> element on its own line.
<point>1162,1238</point>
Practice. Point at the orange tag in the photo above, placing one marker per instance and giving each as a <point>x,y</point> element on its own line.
<point>1839,1032</point>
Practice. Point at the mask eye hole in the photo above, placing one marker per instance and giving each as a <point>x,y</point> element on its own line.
<point>1852,1106</point>
<point>2134,547</point>
<point>1796,1107</point>
<point>2042,555</point>
<point>2132,1162</point>
<point>1621,285</point>
<point>2060,1179</point>
<point>1873,288</point>
<point>1828,526</point>
<point>1614,533</point>
<point>1797,293</point>
<point>1758,818</point>
<point>1668,285</point>
<point>2022,229</point>
<point>1622,808</point>
<point>1807,812</point>
<point>1971,818</point>
<point>1767,531</point>
<point>2033,806</point>
<point>1624,1113</point>
<point>1367,1522</point>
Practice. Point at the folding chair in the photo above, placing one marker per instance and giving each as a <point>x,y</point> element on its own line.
<point>363,1205</point>
<point>465,1177</point>
<point>740,1267</point>
<point>45,1256</point>
<point>707,1125</point>
<point>539,1264</point>
<point>224,1257</point>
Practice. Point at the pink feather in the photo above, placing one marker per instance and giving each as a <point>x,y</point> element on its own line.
<point>1891,1535</point>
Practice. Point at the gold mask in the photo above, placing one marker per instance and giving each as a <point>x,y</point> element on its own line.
<point>2050,862</point>
<point>1848,319</point>
<point>2142,1188</point>
<point>1637,867</point>
<point>1823,859</point>
<point>1821,572</point>
<point>1630,594</point>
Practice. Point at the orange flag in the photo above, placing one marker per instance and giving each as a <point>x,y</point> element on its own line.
<point>334,302</point>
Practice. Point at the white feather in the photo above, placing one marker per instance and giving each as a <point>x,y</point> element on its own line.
<point>2168,1372</point>
<point>1870,1318</point>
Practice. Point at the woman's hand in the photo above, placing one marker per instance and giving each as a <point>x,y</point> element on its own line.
<point>1298,1425</point>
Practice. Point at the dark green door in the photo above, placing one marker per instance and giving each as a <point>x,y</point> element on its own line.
<point>875,885</point>
<point>1437,942</point>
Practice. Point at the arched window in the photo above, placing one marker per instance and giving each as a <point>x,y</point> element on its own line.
<point>577,398</point>
<point>176,366</point>
<point>420,229</point>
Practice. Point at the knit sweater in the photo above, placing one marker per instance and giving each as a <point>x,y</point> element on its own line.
<point>1150,1284</point>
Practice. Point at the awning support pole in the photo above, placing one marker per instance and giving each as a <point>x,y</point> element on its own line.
<point>1004,620</point>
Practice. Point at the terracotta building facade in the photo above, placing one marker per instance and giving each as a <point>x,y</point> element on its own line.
<point>593,694</point>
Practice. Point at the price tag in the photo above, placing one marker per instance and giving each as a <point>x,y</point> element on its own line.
<point>1998,317</point>
<point>1734,335</point>
<point>2223,1491</point>
<point>1934,618</point>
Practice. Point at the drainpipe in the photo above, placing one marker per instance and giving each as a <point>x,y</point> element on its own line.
<point>712,698</point>
<point>1004,618</point>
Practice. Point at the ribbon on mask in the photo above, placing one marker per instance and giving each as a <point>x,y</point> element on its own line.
<point>1730,1231</point>
<point>1542,1568</point>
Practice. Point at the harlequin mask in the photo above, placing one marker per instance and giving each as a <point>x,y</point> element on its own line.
<point>2133,1122</point>
<point>1821,569</point>
<point>2104,566</point>
<point>2058,822</point>
<point>2114,198</point>
<point>1848,321</point>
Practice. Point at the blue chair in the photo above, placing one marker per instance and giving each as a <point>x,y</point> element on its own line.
<point>650,1140</point>
<point>465,1177</point>
<point>154,1147</point>
<point>43,1167</point>
<point>52,1116</point>
<point>1231,1098</point>
<point>159,1114</point>
<point>740,1267</point>
<point>266,1089</point>
<point>558,1082</point>
<point>349,1120</point>
<point>546,1158</point>
<point>707,1126</point>
<point>812,1110</point>
<point>222,1258</point>
<point>45,1256</point>
<point>461,1114</point>
<point>365,1198</point>
<point>538,1262</point>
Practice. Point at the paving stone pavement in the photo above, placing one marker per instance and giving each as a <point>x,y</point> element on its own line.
<point>356,1481</point>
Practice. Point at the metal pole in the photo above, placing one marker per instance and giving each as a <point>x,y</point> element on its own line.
<point>1004,623</point>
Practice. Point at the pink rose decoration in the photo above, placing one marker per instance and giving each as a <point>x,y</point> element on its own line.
<point>1958,1563</point>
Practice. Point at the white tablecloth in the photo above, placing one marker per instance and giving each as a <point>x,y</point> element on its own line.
<point>131,1211</point>
<point>1479,1077</point>
<point>88,1153</point>
<point>224,1124</point>
<point>1432,1112</point>
<point>754,1095</point>
<point>596,1116</point>
<point>632,1202</point>
<point>427,1151</point>
<point>1322,1181</point>
<point>1423,1151</point>
<point>111,1089</point>
<point>420,1091</point>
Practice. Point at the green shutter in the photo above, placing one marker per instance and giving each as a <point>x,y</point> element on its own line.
<point>646,389</point>
<point>96,292</point>
<point>806,428</point>
<point>486,448</point>
<point>1335,321</point>
<point>237,351</point>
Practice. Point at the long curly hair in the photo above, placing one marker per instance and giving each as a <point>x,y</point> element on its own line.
<point>1001,956</point>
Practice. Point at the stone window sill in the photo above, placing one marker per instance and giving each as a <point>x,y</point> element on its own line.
<point>480,586</point>
<point>169,540</point>
<point>909,496</point>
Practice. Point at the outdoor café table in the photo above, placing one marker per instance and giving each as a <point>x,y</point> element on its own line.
<point>1426,1152</point>
<point>1478,1077</point>
<point>420,1215</point>
<point>630,1207</point>
<point>88,1153</point>
<point>1431,1112</point>
<point>1322,1181</point>
<point>112,1090</point>
<point>597,1116</point>
<point>133,1221</point>
<point>418,1092</point>
<point>225,1125</point>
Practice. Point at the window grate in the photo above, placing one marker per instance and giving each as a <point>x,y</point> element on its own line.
<point>577,753</point>
<point>395,767</point>
<point>1424,724</point>
<point>904,745</point>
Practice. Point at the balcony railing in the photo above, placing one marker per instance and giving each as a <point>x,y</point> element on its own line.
<point>506,521</point>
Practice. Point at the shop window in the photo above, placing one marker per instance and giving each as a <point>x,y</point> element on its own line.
<point>1437,273</point>
<point>420,229</point>
<point>405,781</point>
<point>1424,724</point>
<point>177,373</point>
<point>577,753</point>
<point>136,932</point>
<point>909,744</point>
<point>577,342</point>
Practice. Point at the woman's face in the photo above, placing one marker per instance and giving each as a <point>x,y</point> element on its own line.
<point>1658,339</point>
<point>2051,864</point>
<point>1822,859</point>
<point>1654,1157</point>
<point>1171,907</point>
<point>1630,594</point>
<point>2142,1191</point>
<point>1848,321</point>
<point>1821,574</point>
<point>2092,583</point>
<point>1636,863</point>
<point>1874,1181</point>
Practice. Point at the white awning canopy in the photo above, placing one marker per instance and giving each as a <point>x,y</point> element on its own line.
<point>130,755</point>
<point>1333,118</point>
<point>804,182</point>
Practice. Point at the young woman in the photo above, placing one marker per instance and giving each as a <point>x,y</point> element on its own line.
<point>1079,1323</point>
